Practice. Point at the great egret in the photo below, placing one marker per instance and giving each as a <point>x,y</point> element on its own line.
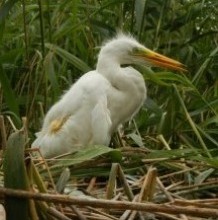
<point>102,99</point>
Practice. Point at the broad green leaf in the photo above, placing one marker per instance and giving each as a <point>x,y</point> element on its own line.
<point>85,155</point>
<point>15,177</point>
<point>137,139</point>
<point>140,13</point>
<point>50,71</point>
<point>78,63</point>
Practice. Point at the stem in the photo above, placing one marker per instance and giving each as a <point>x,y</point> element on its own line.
<point>102,203</point>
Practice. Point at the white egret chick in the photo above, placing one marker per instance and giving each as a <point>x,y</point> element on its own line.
<point>93,108</point>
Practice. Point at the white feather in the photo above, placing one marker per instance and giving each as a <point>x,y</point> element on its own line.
<point>93,108</point>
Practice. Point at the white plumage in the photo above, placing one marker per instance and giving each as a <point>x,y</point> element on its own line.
<point>92,109</point>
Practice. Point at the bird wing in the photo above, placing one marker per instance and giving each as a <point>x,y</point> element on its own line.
<point>78,119</point>
<point>101,122</point>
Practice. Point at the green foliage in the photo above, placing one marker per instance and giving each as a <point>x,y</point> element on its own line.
<point>47,45</point>
<point>86,155</point>
<point>15,176</point>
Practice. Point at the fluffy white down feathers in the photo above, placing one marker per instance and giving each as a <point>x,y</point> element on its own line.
<point>92,109</point>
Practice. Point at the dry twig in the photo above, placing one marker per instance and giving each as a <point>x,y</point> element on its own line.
<point>102,203</point>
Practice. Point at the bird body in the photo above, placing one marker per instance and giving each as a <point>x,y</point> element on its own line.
<point>102,99</point>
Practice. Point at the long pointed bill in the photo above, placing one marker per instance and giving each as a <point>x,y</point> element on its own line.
<point>159,60</point>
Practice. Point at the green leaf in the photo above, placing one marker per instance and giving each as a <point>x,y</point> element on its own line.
<point>5,8</point>
<point>139,10</point>
<point>50,70</point>
<point>137,139</point>
<point>191,122</point>
<point>87,154</point>
<point>15,176</point>
<point>204,66</point>
<point>153,106</point>
<point>78,63</point>
<point>115,155</point>
<point>168,154</point>
<point>9,94</point>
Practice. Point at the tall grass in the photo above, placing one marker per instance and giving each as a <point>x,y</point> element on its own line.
<point>46,45</point>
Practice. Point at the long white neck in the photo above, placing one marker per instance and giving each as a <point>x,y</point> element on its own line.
<point>109,68</point>
<point>127,92</point>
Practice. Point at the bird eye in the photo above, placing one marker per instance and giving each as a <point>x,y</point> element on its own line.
<point>137,51</point>
<point>124,65</point>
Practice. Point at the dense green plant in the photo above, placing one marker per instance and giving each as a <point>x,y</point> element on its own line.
<point>46,45</point>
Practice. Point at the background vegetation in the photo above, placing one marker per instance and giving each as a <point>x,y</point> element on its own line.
<point>47,45</point>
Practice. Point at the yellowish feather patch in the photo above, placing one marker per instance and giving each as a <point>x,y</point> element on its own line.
<point>57,124</point>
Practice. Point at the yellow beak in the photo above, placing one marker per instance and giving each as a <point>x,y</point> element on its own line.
<point>159,60</point>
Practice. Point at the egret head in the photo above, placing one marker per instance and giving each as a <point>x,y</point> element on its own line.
<point>126,50</point>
